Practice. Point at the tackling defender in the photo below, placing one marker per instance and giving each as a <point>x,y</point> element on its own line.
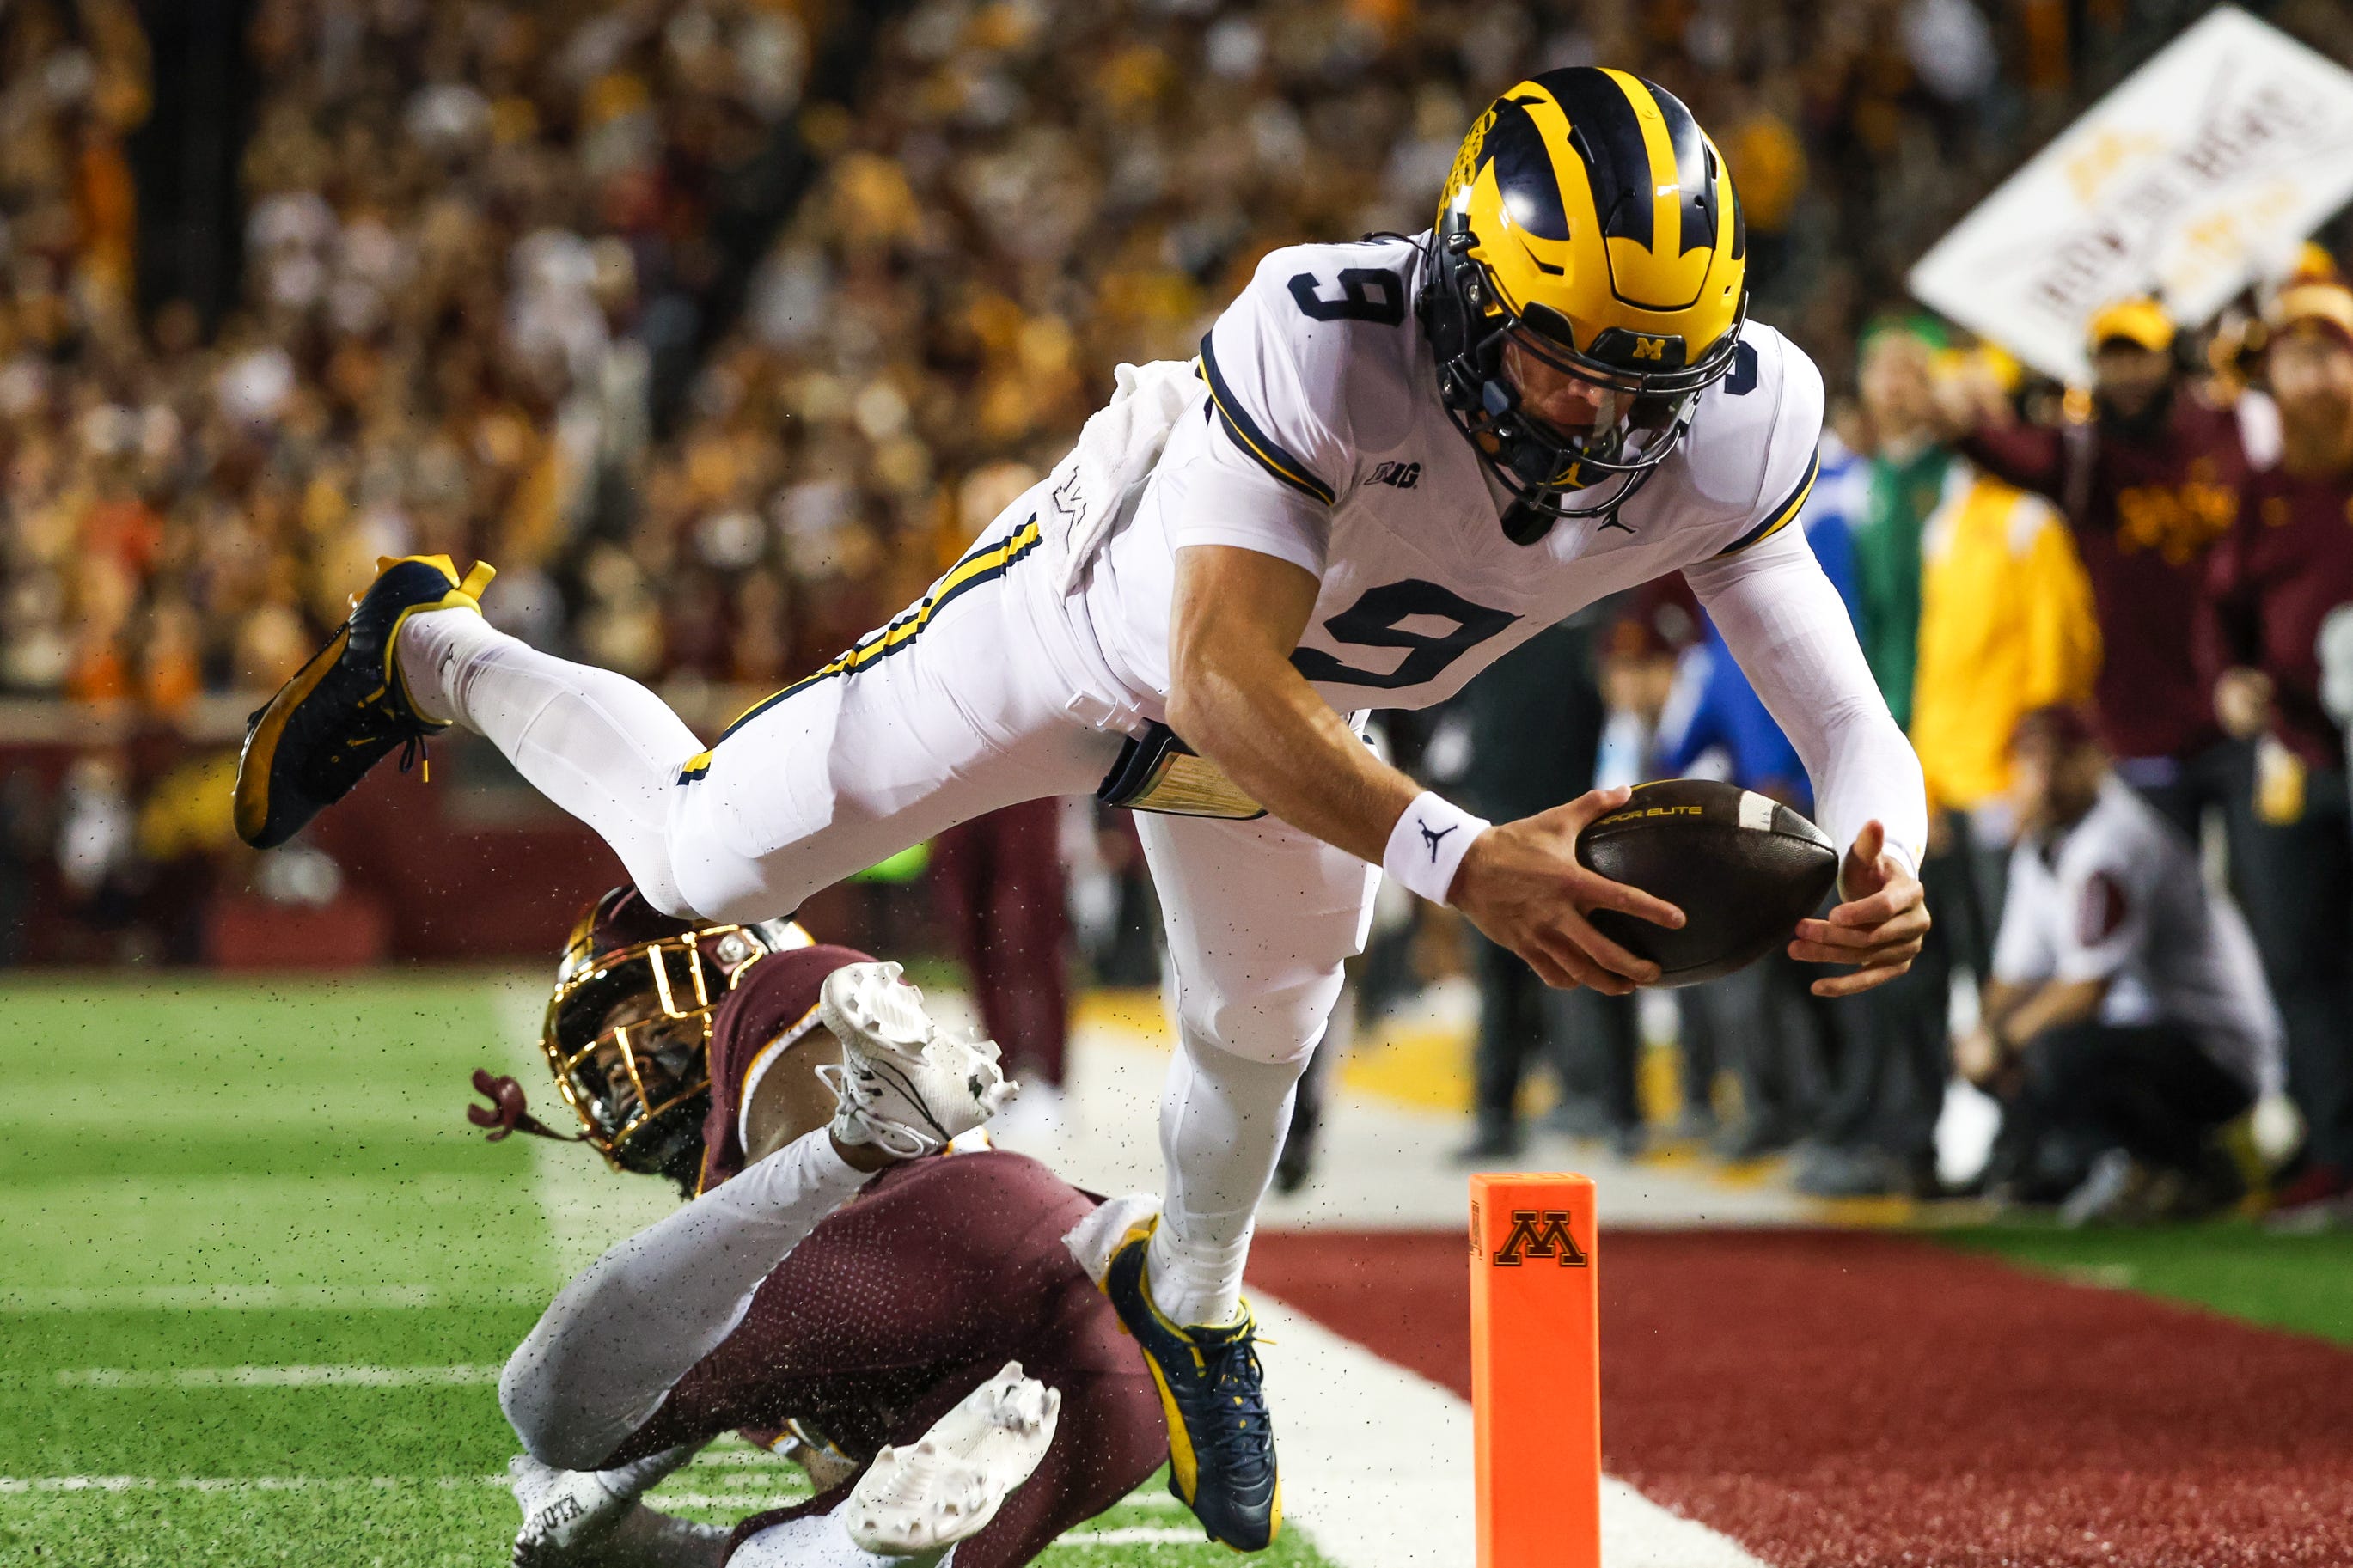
<point>925,1336</point>
<point>1402,458</point>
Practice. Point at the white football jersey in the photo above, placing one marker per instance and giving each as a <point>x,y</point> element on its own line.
<point>1323,443</point>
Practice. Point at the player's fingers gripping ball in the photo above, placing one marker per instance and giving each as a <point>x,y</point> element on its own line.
<point>902,1085</point>
<point>1595,887</point>
<point>1524,885</point>
<point>1880,929</point>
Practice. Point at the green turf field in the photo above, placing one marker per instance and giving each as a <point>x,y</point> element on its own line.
<point>2301,1283</point>
<point>256,1277</point>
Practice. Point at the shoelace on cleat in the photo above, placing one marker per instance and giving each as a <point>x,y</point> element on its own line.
<point>378,725</point>
<point>1238,1429</point>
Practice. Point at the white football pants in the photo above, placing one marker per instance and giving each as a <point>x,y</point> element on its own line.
<point>986,692</point>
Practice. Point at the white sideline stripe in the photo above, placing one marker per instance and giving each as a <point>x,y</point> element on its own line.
<point>1360,1434</point>
<point>19,1485</point>
<point>261,1298</point>
<point>1132,1535</point>
<point>749,1503</point>
<point>345,1376</point>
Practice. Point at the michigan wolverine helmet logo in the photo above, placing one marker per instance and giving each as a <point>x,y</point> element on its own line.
<point>1588,230</point>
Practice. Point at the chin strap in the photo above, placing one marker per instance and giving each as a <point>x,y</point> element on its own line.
<point>1526,521</point>
<point>506,1112</point>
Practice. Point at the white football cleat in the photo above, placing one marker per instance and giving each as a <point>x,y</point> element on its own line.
<point>948,1485</point>
<point>901,1086</point>
<point>568,1514</point>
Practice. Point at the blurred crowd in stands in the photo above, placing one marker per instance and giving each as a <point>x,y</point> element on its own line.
<point>722,325</point>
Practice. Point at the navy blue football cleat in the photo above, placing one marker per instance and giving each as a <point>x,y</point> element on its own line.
<point>1221,1444</point>
<point>348,708</point>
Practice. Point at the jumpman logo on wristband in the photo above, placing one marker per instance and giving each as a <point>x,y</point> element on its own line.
<point>1431,838</point>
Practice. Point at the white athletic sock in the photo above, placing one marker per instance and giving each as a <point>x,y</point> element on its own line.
<point>598,744</point>
<point>1222,1121</point>
<point>822,1540</point>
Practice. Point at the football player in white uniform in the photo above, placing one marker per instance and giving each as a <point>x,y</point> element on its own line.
<point>1399,459</point>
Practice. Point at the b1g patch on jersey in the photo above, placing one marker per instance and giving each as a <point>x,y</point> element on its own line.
<point>1397,475</point>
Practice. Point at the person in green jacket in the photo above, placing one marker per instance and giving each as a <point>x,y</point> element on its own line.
<point>1908,465</point>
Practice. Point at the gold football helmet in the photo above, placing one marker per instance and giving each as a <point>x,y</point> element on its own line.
<point>1589,257</point>
<point>627,1031</point>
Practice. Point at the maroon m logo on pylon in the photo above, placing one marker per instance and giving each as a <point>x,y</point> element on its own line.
<point>1539,1233</point>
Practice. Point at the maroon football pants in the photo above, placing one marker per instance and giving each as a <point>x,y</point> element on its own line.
<point>905,1301</point>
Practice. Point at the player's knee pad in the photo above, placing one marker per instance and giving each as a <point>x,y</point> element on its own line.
<point>527,1399</point>
<point>659,885</point>
<point>1281,1023</point>
<point>714,880</point>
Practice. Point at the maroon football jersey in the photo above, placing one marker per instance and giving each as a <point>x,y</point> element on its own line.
<point>2145,511</point>
<point>2283,569</point>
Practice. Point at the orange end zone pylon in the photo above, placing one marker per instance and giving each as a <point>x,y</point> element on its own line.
<point>1536,1370</point>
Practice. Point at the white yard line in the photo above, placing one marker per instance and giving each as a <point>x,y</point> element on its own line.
<point>331,1377</point>
<point>747,1502</point>
<point>1376,1464</point>
<point>259,1297</point>
<point>22,1486</point>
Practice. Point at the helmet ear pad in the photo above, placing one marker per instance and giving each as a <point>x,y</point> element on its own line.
<point>1445,319</point>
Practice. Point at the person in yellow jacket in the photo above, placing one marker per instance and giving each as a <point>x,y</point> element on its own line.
<point>2006,626</point>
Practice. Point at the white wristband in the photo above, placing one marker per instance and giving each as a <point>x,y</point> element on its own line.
<point>1428,844</point>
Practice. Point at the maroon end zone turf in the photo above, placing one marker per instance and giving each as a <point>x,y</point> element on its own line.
<point>1843,1398</point>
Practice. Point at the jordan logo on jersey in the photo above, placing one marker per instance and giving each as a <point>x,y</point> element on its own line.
<point>1400,476</point>
<point>1431,838</point>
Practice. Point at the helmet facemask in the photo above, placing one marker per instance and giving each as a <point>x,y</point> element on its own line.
<point>627,1035</point>
<point>1640,416</point>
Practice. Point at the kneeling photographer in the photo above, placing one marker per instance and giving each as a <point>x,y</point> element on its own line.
<point>2127,1021</point>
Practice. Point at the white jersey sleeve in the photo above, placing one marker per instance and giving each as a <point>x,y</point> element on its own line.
<point>609,1350</point>
<point>1277,364</point>
<point>1765,468</point>
<point>1784,621</point>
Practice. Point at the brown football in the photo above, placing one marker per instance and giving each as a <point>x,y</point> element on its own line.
<point>1743,868</point>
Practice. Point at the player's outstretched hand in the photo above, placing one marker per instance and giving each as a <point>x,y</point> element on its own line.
<point>1879,927</point>
<point>1522,885</point>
